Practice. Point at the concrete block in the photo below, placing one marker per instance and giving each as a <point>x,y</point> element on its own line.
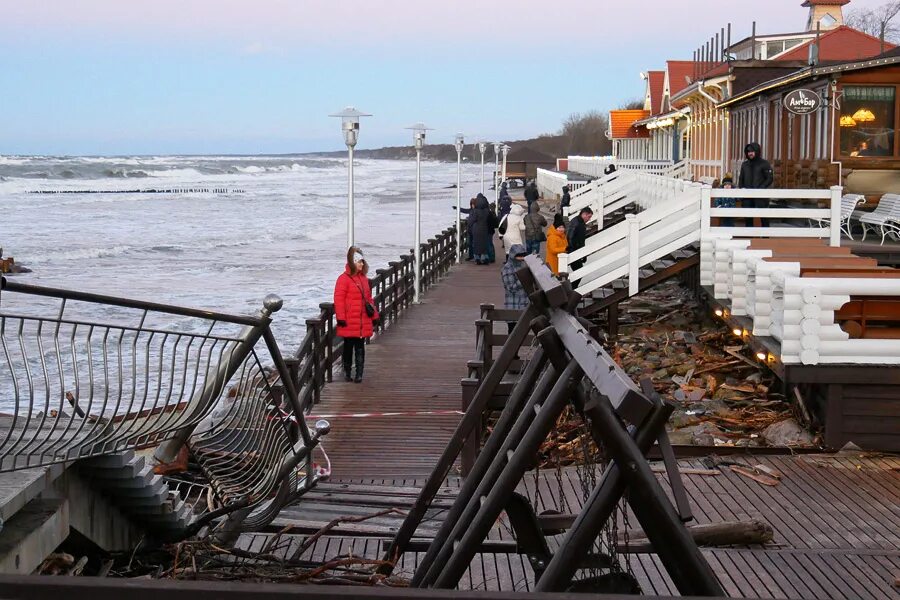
<point>32,534</point>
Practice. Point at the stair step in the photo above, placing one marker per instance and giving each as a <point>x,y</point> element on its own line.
<point>646,272</point>
<point>618,284</point>
<point>109,461</point>
<point>127,471</point>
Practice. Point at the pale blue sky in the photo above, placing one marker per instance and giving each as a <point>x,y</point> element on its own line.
<point>261,76</point>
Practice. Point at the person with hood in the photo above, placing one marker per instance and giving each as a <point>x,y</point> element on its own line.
<point>355,312</point>
<point>514,292</point>
<point>514,227</point>
<point>609,170</point>
<point>566,198</point>
<point>576,233</point>
<point>470,222</point>
<point>534,229</point>
<point>483,230</point>
<point>504,201</point>
<point>531,194</point>
<point>556,242</point>
<point>756,174</point>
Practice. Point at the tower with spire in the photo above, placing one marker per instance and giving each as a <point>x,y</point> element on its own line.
<point>827,14</point>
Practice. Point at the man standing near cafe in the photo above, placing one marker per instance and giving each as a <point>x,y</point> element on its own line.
<point>756,174</point>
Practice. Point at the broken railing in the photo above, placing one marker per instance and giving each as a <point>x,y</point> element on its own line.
<point>567,368</point>
<point>85,375</point>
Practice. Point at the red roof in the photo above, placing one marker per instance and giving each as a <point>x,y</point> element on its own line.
<point>680,71</point>
<point>656,81</point>
<point>840,43</point>
<point>621,123</point>
<point>809,3</point>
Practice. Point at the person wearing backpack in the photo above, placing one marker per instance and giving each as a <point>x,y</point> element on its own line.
<point>355,312</point>
<point>512,228</point>
<point>534,229</point>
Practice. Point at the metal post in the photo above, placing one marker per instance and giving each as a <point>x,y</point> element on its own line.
<point>417,250</point>
<point>481,147</point>
<point>458,206</point>
<point>350,241</point>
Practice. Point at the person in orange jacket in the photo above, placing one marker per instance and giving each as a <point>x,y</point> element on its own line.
<point>556,242</point>
<point>354,311</point>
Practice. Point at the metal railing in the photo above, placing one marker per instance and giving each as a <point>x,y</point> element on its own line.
<point>151,375</point>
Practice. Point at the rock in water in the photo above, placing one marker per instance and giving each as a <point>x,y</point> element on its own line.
<point>787,433</point>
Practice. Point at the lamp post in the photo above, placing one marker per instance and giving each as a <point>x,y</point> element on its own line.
<point>497,146</point>
<point>419,130</point>
<point>482,147</point>
<point>505,151</point>
<point>350,126</point>
<point>460,144</point>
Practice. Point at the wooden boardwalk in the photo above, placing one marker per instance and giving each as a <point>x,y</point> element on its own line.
<point>414,368</point>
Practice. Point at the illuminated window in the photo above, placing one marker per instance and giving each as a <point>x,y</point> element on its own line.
<point>869,128</point>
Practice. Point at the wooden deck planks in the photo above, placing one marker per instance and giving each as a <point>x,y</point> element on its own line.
<point>415,366</point>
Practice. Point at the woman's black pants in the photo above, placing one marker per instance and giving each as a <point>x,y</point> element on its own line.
<point>354,348</point>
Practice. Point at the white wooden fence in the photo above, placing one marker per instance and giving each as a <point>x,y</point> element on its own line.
<point>550,183</point>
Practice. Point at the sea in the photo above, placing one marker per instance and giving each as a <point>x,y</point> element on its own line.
<point>227,231</point>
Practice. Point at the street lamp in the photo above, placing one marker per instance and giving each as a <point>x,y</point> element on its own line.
<point>350,126</point>
<point>419,130</point>
<point>497,146</point>
<point>505,151</point>
<point>460,144</point>
<point>482,147</point>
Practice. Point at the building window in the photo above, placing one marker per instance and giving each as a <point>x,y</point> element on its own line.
<point>867,121</point>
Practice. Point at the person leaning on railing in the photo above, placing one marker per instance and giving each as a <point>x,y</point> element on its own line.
<point>355,312</point>
<point>556,242</point>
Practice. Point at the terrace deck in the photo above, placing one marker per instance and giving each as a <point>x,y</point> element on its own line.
<point>836,520</point>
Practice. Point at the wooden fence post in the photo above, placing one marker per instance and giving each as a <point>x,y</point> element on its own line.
<point>473,441</point>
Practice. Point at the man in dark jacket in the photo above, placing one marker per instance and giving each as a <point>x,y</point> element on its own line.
<point>531,194</point>
<point>576,233</point>
<point>756,174</point>
<point>565,198</point>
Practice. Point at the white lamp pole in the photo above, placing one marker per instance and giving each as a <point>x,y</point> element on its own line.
<point>482,147</point>
<point>497,146</point>
<point>350,126</point>
<point>505,150</point>
<point>460,144</point>
<point>419,130</point>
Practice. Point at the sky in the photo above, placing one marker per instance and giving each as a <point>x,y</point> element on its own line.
<point>261,76</point>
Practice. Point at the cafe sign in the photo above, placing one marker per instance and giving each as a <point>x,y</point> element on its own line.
<point>802,102</point>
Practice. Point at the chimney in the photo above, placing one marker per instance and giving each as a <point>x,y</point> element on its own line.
<point>824,14</point>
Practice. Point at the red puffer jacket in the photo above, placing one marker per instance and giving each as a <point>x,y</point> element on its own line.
<point>349,305</point>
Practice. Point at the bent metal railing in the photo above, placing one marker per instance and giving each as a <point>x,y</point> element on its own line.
<point>149,374</point>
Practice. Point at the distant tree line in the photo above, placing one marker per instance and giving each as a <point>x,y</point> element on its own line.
<point>587,133</point>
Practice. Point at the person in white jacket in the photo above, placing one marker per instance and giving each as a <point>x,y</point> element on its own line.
<point>514,231</point>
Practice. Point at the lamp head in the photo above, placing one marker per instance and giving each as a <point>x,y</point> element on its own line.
<point>460,142</point>
<point>482,147</point>
<point>419,130</point>
<point>497,146</point>
<point>350,124</point>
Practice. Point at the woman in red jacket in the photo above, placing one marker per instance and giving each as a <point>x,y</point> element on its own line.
<point>355,312</point>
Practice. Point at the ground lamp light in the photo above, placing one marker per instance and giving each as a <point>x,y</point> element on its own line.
<point>350,126</point>
<point>482,147</point>
<point>497,146</point>
<point>460,144</point>
<point>419,130</point>
<point>863,115</point>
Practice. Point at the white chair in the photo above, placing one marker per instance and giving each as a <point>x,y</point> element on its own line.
<point>885,219</point>
<point>849,202</point>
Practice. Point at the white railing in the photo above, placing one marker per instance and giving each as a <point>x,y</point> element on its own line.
<point>593,166</point>
<point>669,219</point>
<point>550,183</point>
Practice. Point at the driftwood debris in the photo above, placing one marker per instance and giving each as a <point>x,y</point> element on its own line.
<point>712,535</point>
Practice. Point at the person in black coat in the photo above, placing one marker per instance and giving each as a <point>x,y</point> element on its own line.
<point>531,194</point>
<point>576,234</point>
<point>485,222</point>
<point>756,174</point>
<point>566,198</point>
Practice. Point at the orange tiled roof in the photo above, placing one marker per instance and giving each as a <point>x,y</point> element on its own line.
<point>656,81</point>
<point>621,123</point>
<point>678,70</point>
<point>841,43</point>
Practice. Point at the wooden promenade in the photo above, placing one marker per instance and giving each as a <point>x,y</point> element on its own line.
<point>414,369</point>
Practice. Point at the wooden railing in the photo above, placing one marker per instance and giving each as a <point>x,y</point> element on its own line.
<point>312,364</point>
